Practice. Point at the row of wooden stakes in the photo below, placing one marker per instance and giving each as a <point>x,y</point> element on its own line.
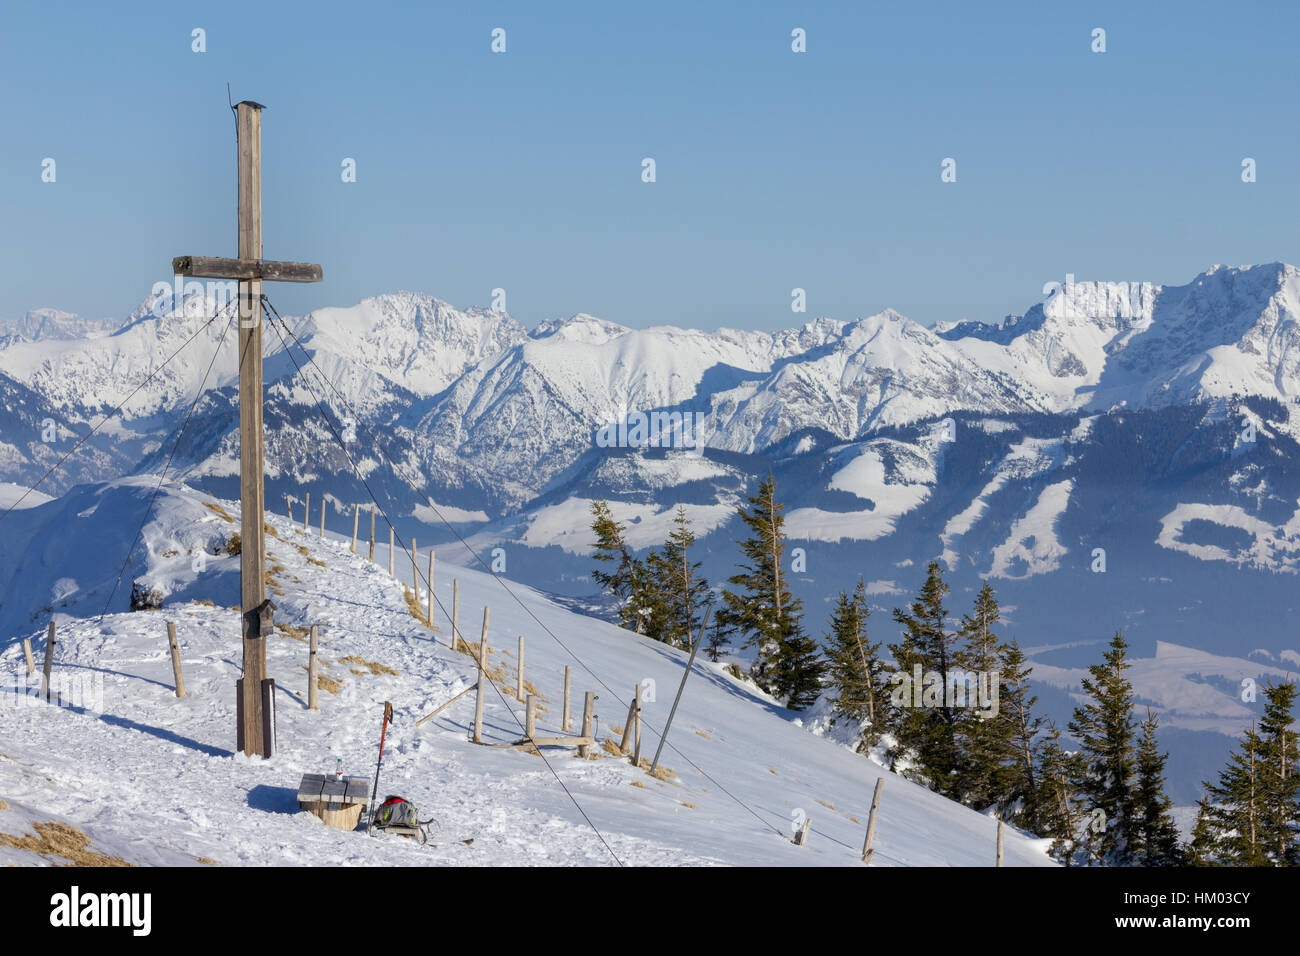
<point>630,743</point>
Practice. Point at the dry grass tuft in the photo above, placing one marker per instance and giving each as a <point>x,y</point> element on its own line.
<point>59,840</point>
<point>413,605</point>
<point>316,561</point>
<point>638,783</point>
<point>293,633</point>
<point>324,681</point>
<point>663,773</point>
<point>203,601</point>
<point>3,805</point>
<point>610,747</point>
<point>373,666</point>
<point>690,805</point>
<point>218,510</point>
<point>205,861</point>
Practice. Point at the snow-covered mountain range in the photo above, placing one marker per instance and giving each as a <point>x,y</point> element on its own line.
<point>1123,455</point>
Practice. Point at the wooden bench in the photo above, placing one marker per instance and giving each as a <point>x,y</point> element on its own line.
<point>337,801</point>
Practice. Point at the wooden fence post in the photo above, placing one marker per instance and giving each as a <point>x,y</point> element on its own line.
<point>322,516</point>
<point>372,533</point>
<point>482,681</point>
<point>306,514</point>
<point>1001,829</point>
<point>27,652</point>
<point>455,615</point>
<point>313,671</point>
<point>636,738</point>
<point>176,659</point>
<point>429,604</point>
<point>588,706</point>
<point>519,677</point>
<point>801,837</point>
<point>356,518</point>
<point>627,725</point>
<point>415,570</point>
<point>867,852</point>
<point>392,544</point>
<point>288,509</point>
<point>49,662</point>
<point>564,723</point>
<point>531,719</point>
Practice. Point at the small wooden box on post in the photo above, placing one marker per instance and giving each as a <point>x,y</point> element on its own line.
<point>250,270</point>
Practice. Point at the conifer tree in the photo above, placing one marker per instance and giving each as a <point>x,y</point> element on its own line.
<point>1254,813</point>
<point>1155,835</point>
<point>612,549</point>
<point>1280,813</point>
<point>855,669</point>
<point>800,668</point>
<point>1020,784</point>
<point>927,735</point>
<point>718,641</point>
<point>1105,774</point>
<point>646,610</point>
<point>1059,812</point>
<point>681,587</point>
<point>1202,848</point>
<point>1236,801</point>
<point>759,607</point>
<point>985,739</point>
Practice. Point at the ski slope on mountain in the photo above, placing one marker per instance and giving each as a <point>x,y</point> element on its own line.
<point>151,778</point>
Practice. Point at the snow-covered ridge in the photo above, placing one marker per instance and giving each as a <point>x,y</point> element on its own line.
<point>478,401</point>
<point>152,778</point>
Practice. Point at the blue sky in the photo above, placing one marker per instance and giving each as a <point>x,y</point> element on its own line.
<point>775,170</point>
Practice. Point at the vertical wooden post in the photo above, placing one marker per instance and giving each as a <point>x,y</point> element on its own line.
<point>531,719</point>
<point>482,681</point>
<point>564,722</point>
<point>455,615</point>
<point>288,509</point>
<point>1001,829</point>
<point>372,533</point>
<point>636,737</point>
<point>27,652</point>
<point>176,659</point>
<point>392,544</point>
<point>519,677</point>
<point>313,671</point>
<point>867,852</point>
<point>252,491</point>
<point>356,517</point>
<point>428,616</point>
<point>588,705</point>
<point>49,662</point>
<point>306,514</point>
<point>322,516</point>
<point>415,571</point>
<point>801,838</point>
<point>627,725</point>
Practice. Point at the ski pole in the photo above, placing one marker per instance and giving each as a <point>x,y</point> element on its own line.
<point>388,716</point>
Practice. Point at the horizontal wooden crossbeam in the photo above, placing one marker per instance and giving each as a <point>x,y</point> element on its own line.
<point>208,267</point>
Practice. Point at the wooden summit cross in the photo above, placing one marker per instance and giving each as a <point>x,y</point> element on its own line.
<point>254,693</point>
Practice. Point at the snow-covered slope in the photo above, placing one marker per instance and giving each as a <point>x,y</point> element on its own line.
<point>153,779</point>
